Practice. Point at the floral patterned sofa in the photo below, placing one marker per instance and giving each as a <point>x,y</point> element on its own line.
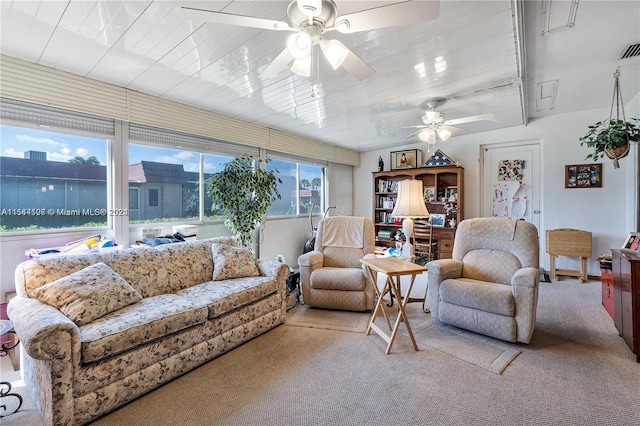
<point>100,329</point>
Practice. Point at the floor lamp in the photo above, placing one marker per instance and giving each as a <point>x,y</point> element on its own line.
<point>409,205</point>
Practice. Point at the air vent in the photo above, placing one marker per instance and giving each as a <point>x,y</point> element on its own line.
<point>631,51</point>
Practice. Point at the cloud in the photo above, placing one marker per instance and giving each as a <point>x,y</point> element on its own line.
<point>81,152</point>
<point>11,152</point>
<point>33,139</point>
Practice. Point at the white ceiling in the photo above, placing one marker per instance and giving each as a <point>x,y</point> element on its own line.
<point>153,47</point>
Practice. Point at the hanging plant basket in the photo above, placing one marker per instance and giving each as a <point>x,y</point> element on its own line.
<point>617,152</point>
<point>614,136</point>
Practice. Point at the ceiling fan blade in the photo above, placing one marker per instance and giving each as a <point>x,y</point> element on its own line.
<point>278,64</point>
<point>357,67</point>
<point>231,19</point>
<point>412,134</point>
<point>453,129</point>
<point>471,118</point>
<point>402,13</point>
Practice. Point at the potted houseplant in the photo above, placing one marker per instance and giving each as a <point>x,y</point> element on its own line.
<point>243,193</point>
<point>612,137</point>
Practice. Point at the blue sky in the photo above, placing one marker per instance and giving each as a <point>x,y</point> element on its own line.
<point>14,141</point>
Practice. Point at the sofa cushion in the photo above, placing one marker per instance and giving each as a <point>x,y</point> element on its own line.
<point>148,320</point>
<point>225,296</point>
<point>88,294</point>
<point>188,263</point>
<point>484,296</point>
<point>232,262</point>
<point>142,267</point>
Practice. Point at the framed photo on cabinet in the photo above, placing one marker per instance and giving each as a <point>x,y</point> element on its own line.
<point>408,159</point>
<point>437,219</point>
<point>632,244</point>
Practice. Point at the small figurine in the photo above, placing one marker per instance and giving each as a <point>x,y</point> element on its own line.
<point>380,164</point>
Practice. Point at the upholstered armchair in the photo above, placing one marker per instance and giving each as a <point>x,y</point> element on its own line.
<point>331,276</point>
<point>490,286</point>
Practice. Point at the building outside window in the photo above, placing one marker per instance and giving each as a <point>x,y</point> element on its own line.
<point>51,180</point>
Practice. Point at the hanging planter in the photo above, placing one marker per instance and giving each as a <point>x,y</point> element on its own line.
<point>614,136</point>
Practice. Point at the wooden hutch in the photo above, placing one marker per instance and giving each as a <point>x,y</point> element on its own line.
<point>439,184</point>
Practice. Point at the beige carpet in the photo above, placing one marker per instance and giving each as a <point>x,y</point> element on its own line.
<point>309,317</point>
<point>478,350</point>
<point>577,371</point>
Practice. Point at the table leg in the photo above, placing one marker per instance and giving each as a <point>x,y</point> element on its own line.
<point>379,295</point>
<point>402,316</point>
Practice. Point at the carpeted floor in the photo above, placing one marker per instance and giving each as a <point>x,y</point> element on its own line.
<point>576,371</point>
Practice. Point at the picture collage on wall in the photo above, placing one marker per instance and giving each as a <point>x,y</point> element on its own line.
<point>510,194</point>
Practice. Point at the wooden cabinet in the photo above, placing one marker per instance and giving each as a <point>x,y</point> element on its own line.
<point>626,290</point>
<point>439,184</point>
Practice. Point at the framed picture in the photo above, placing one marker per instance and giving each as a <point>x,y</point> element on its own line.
<point>632,244</point>
<point>452,193</point>
<point>583,176</point>
<point>408,159</point>
<point>429,194</point>
<point>437,219</point>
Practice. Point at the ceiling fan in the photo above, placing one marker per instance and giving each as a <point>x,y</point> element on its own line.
<point>311,19</point>
<point>436,126</point>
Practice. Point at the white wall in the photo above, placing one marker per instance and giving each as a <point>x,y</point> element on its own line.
<point>609,213</point>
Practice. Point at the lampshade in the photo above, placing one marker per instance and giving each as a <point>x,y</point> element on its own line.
<point>410,201</point>
<point>409,204</point>
<point>334,51</point>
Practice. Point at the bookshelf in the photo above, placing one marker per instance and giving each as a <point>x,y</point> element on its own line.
<point>440,183</point>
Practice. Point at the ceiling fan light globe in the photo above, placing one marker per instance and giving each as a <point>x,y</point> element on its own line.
<point>444,134</point>
<point>302,67</point>
<point>335,52</point>
<point>299,45</point>
<point>424,136</point>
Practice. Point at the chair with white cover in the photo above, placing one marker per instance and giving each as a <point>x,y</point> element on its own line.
<point>331,276</point>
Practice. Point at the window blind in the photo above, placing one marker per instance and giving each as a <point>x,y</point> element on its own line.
<point>40,115</point>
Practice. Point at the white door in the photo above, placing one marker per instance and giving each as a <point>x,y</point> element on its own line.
<point>511,181</point>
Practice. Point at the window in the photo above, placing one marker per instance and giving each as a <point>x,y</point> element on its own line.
<point>51,179</point>
<point>153,197</point>
<point>302,188</point>
<point>171,180</point>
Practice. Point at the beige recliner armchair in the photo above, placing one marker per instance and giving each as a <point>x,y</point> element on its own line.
<point>490,286</point>
<point>331,275</point>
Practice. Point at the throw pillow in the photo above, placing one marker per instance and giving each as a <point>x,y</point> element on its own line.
<point>232,262</point>
<point>88,294</point>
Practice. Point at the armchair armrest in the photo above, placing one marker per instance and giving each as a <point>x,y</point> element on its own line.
<point>524,285</point>
<point>526,277</point>
<point>438,271</point>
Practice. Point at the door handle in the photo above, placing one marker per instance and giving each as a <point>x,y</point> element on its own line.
<point>536,212</point>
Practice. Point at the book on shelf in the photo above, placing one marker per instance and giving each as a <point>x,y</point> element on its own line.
<point>387,186</point>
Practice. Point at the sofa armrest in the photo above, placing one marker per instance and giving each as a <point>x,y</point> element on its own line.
<point>438,271</point>
<point>43,330</point>
<point>273,268</point>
